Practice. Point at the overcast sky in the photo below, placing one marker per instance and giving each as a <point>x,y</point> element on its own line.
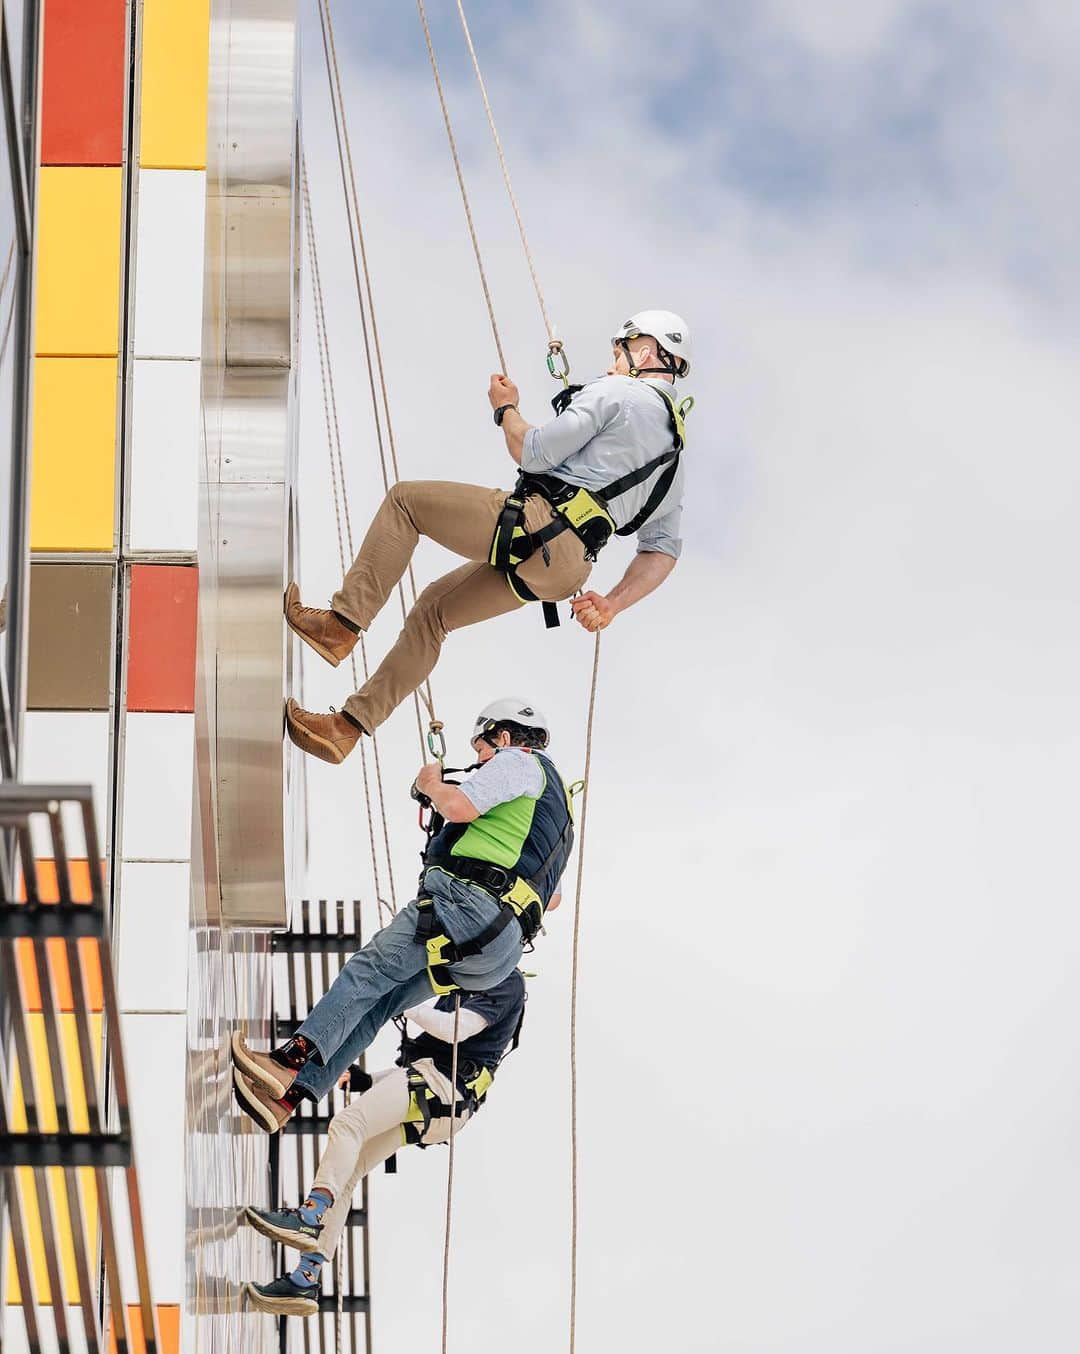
<point>829,991</point>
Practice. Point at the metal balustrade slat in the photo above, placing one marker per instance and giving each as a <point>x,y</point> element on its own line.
<point>100,1146</point>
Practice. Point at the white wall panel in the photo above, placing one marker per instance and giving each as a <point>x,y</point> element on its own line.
<point>155,1053</point>
<point>68,747</point>
<point>169,267</point>
<point>154,904</point>
<point>14,1339</point>
<point>158,751</point>
<point>165,456</point>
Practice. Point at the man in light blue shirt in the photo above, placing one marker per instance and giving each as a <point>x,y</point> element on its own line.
<point>608,463</point>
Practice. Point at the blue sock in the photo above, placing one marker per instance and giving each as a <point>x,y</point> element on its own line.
<point>307,1271</point>
<point>314,1206</point>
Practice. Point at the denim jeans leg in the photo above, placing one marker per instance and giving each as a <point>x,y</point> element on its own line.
<point>390,961</point>
<point>319,1081</point>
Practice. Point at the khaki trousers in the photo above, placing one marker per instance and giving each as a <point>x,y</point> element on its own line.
<point>461,517</point>
<point>365,1133</point>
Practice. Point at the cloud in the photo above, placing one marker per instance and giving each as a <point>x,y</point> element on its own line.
<point>828,935</point>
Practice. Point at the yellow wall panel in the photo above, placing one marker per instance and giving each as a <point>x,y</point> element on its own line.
<point>175,64</point>
<point>78,279</point>
<point>72,484</point>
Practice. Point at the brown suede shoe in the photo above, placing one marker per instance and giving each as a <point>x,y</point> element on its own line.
<point>271,1115</point>
<point>320,630</point>
<point>261,1068</point>
<point>331,737</point>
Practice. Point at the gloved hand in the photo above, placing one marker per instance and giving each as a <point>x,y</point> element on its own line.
<point>357,1080</point>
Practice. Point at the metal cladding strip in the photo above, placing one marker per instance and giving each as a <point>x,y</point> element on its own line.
<point>248,320</point>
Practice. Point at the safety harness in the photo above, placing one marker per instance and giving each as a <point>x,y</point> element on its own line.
<point>582,511</point>
<point>519,898</point>
<point>425,1104</point>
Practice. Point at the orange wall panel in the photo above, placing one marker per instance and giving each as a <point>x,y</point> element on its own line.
<point>161,662</point>
<point>79,873</point>
<point>83,82</point>
<point>168,1319</point>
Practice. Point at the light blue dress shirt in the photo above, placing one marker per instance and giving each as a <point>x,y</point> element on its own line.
<point>612,426</point>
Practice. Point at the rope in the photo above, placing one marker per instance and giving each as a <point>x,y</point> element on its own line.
<point>573,1003</point>
<point>339,1292</point>
<point>506,173</point>
<point>450,1177</point>
<point>366,299</point>
<point>337,474</point>
<point>461,185</point>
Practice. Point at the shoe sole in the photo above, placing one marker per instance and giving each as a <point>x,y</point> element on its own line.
<point>252,1106</point>
<point>310,742</point>
<point>241,1056</point>
<point>296,1241</point>
<point>292,594</point>
<point>280,1306</point>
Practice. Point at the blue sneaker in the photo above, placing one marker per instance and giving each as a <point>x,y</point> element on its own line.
<point>286,1225</point>
<point>282,1297</point>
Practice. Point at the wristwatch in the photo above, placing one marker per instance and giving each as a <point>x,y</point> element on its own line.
<point>500,413</point>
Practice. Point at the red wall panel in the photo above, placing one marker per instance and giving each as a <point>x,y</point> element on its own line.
<point>162,632</point>
<point>82,116</point>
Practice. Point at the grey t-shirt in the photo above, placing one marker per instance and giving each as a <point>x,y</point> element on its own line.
<point>511,773</point>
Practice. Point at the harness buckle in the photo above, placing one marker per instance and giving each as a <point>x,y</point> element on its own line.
<point>441,953</point>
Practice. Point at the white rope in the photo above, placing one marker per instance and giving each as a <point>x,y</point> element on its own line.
<point>573,1002</point>
<point>506,173</point>
<point>450,1177</point>
<point>339,1274</point>
<point>337,482</point>
<point>366,301</point>
<point>461,185</point>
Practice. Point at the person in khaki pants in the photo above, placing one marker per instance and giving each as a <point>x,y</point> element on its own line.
<point>616,433</point>
<point>409,1104</point>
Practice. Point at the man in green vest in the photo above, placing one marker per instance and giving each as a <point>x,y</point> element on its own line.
<point>491,871</point>
<point>608,463</point>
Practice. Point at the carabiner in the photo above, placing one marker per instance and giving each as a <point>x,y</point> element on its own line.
<point>436,741</point>
<point>555,349</point>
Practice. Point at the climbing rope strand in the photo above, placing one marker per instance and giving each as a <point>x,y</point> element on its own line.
<point>461,184</point>
<point>367,310</point>
<point>339,1274</point>
<point>506,173</point>
<point>573,1002</point>
<point>337,482</point>
<point>450,1176</point>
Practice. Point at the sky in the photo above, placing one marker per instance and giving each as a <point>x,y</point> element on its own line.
<point>829,943</point>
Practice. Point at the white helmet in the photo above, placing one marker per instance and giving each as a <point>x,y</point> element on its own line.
<point>511,710</point>
<point>669,330</point>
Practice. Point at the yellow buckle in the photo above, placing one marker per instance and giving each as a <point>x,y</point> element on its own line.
<point>436,959</point>
<point>582,508</point>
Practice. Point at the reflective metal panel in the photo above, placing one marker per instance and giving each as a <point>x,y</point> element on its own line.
<point>247,353</point>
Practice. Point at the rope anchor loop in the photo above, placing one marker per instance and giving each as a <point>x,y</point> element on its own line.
<point>557,351</point>
<point>436,740</point>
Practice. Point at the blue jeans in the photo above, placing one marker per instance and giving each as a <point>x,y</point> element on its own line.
<point>389,975</point>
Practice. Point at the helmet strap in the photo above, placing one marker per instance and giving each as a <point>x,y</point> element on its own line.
<point>668,368</point>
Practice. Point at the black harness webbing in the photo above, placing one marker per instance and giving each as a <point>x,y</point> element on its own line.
<point>583,511</point>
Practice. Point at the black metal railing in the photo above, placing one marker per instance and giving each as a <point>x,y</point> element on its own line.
<point>70,1111</point>
<point>310,956</point>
